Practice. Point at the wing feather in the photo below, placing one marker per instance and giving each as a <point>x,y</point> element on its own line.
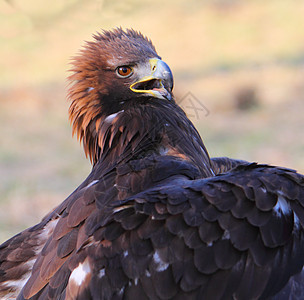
<point>222,236</point>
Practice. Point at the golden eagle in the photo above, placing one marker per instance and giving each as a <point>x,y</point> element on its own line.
<point>156,218</point>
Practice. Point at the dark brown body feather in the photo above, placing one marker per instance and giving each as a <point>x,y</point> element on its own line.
<point>157,218</point>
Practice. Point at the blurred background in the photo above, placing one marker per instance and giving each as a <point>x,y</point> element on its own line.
<point>239,74</point>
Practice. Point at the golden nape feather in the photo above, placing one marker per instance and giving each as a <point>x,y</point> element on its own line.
<point>156,218</point>
<point>88,82</point>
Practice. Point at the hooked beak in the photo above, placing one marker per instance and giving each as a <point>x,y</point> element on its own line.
<point>156,80</point>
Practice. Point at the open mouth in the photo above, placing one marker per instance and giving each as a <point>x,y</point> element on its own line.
<point>151,84</point>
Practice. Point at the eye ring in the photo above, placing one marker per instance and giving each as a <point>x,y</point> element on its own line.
<point>124,71</point>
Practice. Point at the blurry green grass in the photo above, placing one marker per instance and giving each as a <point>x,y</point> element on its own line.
<point>215,48</point>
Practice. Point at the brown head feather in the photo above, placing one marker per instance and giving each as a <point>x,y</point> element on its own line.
<point>91,81</point>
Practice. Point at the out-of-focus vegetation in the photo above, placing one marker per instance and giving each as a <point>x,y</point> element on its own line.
<point>241,61</point>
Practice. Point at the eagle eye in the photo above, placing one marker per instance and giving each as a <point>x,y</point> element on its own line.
<point>124,71</point>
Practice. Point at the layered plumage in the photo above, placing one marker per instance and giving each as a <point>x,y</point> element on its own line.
<point>156,218</point>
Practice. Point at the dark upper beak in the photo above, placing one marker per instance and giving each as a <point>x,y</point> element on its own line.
<point>156,80</point>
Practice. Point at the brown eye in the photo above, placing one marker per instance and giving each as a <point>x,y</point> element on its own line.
<point>124,71</point>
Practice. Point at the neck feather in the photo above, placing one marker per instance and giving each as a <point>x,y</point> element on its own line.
<point>140,131</point>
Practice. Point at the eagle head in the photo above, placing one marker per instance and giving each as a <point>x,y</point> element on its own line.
<point>117,70</point>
